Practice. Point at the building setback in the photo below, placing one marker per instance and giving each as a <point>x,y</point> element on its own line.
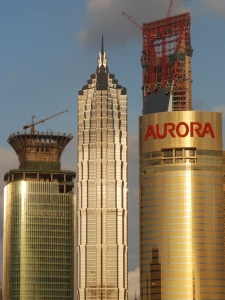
<point>102,187</point>
<point>38,255</point>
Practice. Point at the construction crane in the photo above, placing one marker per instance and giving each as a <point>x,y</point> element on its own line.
<point>166,58</point>
<point>31,126</point>
<point>149,38</point>
<point>169,9</point>
<point>138,25</point>
<point>132,20</point>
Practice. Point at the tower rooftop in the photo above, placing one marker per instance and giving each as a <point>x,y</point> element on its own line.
<point>39,150</point>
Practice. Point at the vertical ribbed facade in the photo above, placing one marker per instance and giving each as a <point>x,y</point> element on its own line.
<point>181,206</point>
<point>39,213</point>
<point>38,247</point>
<point>102,187</point>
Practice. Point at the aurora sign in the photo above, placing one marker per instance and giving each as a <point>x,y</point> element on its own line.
<point>181,129</point>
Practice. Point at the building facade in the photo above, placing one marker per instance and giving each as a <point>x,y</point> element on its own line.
<point>181,206</point>
<point>102,187</point>
<point>38,254</point>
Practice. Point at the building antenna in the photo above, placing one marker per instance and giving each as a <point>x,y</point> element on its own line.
<point>102,49</point>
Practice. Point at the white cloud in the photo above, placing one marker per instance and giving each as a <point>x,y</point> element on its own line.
<point>220,108</point>
<point>216,6</point>
<point>133,284</point>
<point>105,17</point>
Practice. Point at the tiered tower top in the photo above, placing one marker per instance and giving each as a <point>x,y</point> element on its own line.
<point>39,150</point>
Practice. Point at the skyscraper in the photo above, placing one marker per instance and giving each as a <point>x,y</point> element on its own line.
<point>181,206</point>
<point>38,258</point>
<point>102,187</point>
<point>180,182</point>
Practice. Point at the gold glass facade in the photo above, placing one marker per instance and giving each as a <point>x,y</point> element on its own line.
<point>38,247</point>
<point>102,187</point>
<point>38,242</point>
<point>181,206</point>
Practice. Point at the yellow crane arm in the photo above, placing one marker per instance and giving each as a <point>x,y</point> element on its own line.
<point>31,126</point>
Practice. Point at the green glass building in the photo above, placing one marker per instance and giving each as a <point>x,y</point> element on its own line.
<point>38,254</point>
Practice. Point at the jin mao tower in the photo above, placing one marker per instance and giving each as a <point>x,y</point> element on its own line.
<point>102,187</point>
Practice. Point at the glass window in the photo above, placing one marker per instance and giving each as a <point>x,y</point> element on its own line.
<point>190,152</point>
<point>179,160</point>
<point>168,153</point>
<point>190,160</point>
<point>168,161</point>
<point>179,152</point>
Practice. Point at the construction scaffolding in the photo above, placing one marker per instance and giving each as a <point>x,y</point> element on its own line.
<point>39,150</point>
<point>166,60</point>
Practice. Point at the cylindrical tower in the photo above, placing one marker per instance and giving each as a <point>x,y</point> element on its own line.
<point>181,206</point>
<point>38,255</point>
<point>102,187</point>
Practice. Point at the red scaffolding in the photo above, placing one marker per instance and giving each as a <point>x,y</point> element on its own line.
<point>166,59</point>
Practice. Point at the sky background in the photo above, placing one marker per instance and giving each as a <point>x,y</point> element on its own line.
<point>48,50</point>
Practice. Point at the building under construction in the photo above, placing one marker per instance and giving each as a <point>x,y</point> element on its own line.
<point>38,255</point>
<point>166,63</point>
<point>181,201</point>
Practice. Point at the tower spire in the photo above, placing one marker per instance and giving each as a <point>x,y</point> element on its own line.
<point>102,61</point>
<point>102,49</point>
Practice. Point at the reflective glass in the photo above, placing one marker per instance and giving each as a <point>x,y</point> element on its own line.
<point>102,190</point>
<point>182,253</point>
<point>38,241</point>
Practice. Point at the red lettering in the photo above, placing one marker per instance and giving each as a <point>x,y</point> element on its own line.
<point>208,129</point>
<point>150,132</point>
<point>186,129</point>
<point>197,130</point>
<point>161,136</point>
<point>182,129</point>
<point>170,130</point>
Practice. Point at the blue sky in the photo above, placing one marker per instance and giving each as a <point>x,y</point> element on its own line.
<point>49,48</point>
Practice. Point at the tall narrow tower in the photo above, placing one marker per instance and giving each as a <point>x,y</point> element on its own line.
<point>102,187</point>
<point>180,176</point>
<point>38,258</point>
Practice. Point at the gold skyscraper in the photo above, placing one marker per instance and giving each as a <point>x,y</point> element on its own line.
<point>38,256</point>
<point>181,206</point>
<point>180,181</point>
